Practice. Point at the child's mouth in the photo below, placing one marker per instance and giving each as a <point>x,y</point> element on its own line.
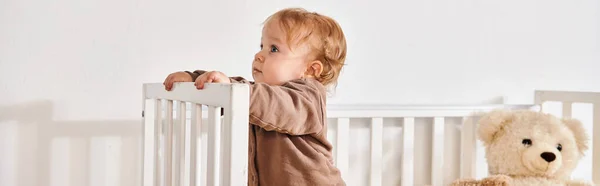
<point>256,70</point>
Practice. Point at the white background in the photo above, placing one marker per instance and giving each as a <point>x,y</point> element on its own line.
<point>71,71</point>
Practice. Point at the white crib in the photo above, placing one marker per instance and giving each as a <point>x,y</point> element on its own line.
<point>391,145</point>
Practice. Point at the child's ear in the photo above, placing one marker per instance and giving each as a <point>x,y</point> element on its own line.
<point>315,68</point>
<point>579,133</point>
<point>491,124</point>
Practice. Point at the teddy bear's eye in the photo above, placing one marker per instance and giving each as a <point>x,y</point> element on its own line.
<point>559,147</point>
<point>526,142</point>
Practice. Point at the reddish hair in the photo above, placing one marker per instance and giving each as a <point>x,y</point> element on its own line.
<point>323,34</point>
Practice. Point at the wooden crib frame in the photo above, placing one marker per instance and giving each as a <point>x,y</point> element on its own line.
<point>226,140</point>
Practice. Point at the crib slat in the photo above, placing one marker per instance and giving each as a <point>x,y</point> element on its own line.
<point>179,172</point>
<point>214,138</point>
<point>125,156</point>
<point>408,136</point>
<point>567,109</point>
<point>168,160</point>
<point>343,132</point>
<point>467,145</point>
<point>204,130</point>
<point>376,150</point>
<point>596,143</point>
<point>196,119</point>
<point>157,145</point>
<point>437,152</point>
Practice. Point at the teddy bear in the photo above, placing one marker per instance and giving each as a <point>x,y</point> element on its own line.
<point>525,147</point>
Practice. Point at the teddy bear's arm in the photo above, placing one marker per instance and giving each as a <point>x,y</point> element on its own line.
<point>494,180</point>
<point>579,183</point>
<point>465,182</point>
<point>497,180</point>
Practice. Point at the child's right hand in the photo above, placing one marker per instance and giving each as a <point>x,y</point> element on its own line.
<point>176,77</point>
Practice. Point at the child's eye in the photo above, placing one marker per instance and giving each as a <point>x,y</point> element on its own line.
<point>274,48</point>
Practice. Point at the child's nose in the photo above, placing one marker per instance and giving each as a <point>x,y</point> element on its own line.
<point>258,57</point>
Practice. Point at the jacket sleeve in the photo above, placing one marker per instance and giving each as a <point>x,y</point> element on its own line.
<point>294,108</point>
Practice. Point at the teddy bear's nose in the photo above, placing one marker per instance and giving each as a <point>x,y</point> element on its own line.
<point>548,156</point>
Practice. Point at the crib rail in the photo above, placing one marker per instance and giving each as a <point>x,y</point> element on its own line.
<point>342,114</point>
<point>223,139</point>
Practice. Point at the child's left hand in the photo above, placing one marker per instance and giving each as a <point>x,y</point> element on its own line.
<point>211,77</point>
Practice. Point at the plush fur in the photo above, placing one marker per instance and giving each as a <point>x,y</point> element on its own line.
<point>530,148</point>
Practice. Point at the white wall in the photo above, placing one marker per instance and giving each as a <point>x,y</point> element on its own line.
<point>71,70</point>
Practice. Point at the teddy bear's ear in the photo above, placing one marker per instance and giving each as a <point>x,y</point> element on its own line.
<point>491,123</point>
<point>579,132</point>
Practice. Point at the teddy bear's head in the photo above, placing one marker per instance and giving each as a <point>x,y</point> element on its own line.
<point>530,143</point>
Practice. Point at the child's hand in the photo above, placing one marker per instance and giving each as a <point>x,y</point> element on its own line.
<point>211,77</point>
<point>176,77</point>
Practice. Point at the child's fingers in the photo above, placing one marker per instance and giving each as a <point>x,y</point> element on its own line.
<point>208,77</point>
<point>211,78</point>
<point>200,81</point>
<point>168,82</point>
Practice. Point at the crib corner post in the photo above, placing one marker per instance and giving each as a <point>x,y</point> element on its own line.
<point>538,100</point>
<point>143,138</point>
<point>235,148</point>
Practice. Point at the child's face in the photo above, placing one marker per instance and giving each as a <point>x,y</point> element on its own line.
<point>275,63</point>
